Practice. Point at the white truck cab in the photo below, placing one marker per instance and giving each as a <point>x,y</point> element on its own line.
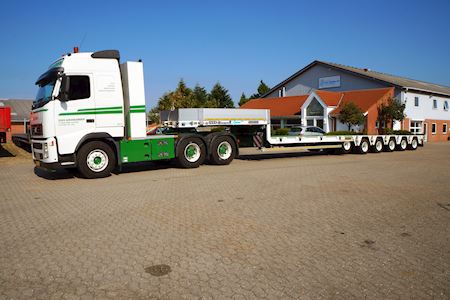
<point>81,97</point>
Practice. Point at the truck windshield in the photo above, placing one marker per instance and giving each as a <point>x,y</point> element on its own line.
<point>44,94</point>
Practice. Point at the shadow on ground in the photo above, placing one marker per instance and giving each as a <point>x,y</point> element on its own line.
<point>264,156</point>
<point>61,173</point>
<point>5,153</point>
<point>54,174</point>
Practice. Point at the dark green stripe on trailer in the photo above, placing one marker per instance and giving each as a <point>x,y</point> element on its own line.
<point>147,149</point>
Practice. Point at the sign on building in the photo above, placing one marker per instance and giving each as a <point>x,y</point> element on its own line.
<point>329,82</point>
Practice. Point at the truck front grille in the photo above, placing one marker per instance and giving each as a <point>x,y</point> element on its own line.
<point>37,145</point>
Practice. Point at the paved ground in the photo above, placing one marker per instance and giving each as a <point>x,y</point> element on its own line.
<point>305,226</point>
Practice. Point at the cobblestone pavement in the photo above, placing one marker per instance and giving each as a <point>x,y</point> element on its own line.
<point>304,226</point>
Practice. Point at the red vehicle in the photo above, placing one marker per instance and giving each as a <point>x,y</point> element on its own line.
<point>5,122</point>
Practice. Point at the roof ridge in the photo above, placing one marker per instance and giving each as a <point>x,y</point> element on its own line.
<point>383,73</point>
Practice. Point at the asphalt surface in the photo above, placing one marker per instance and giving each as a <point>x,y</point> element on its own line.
<point>373,226</point>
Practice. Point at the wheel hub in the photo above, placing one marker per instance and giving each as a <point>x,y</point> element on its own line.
<point>192,152</point>
<point>224,150</point>
<point>97,160</point>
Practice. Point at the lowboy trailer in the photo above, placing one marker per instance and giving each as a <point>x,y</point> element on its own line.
<point>90,114</point>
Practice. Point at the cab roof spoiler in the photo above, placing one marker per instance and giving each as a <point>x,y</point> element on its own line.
<point>49,76</point>
<point>114,54</point>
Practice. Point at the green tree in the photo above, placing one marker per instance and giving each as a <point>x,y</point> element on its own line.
<point>351,115</point>
<point>262,90</point>
<point>181,97</point>
<point>153,115</point>
<point>243,99</point>
<point>220,96</point>
<point>200,96</point>
<point>390,111</point>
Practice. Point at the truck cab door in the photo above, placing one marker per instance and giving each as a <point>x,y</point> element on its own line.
<point>75,111</point>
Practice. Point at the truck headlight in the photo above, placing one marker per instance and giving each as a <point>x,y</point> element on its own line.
<point>45,154</point>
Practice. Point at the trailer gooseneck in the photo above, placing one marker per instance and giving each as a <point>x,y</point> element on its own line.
<point>90,114</point>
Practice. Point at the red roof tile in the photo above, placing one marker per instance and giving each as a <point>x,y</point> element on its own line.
<point>279,107</point>
<point>330,98</point>
<point>364,99</point>
<point>289,106</point>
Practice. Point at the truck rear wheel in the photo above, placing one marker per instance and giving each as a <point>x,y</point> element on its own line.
<point>95,160</point>
<point>414,144</point>
<point>403,145</point>
<point>390,146</point>
<point>223,150</point>
<point>363,147</point>
<point>346,148</point>
<point>191,152</point>
<point>378,146</point>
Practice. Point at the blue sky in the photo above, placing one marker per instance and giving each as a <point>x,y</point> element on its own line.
<point>236,43</point>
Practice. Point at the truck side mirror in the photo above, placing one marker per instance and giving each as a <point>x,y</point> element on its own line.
<point>64,90</point>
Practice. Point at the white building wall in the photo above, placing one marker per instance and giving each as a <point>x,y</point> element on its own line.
<point>425,109</point>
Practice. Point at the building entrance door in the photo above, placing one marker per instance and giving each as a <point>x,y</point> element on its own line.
<point>318,122</point>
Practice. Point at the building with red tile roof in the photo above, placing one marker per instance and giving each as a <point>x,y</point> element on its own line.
<point>322,108</point>
<point>427,105</point>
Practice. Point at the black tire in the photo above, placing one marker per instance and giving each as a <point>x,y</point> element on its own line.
<point>346,148</point>
<point>95,160</point>
<point>391,145</point>
<point>191,152</point>
<point>377,147</point>
<point>363,147</point>
<point>414,144</point>
<point>403,145</point>
<point>220,144</point>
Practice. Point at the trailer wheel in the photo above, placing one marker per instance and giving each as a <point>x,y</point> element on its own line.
<point>403,145</point>
<point>95,160</point>
<point>414,144</point>
<point>378,147</point>
<point>223,150</point>
<point>390,146</point>
<point>191,152</point>
<point>346,148</point>
<point>363,147</point>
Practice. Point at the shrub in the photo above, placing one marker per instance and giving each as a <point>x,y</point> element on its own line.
<point>280,132</point>
<point>396,132</point>
<point>343,132</point>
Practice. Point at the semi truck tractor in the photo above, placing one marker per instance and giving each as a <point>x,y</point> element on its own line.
<point>90,114</point>
<point>5,122</point>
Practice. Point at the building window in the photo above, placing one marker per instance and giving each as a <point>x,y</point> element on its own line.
<point>433,128</point>
<point>282,92</point>
<point>444,128</point>
<point>377,124</point>
<point>314,109</point>
<point>416,101</point>
<point>434,103</point>
<point>415,127</point>
<point>445,105</point>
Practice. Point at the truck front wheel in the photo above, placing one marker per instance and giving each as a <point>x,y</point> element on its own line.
<point>95,160</point>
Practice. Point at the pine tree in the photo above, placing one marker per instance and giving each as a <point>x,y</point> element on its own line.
<point>243,99</point>
<point>221,97</point>
<point>200,96</point>
<point>263,88</point>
